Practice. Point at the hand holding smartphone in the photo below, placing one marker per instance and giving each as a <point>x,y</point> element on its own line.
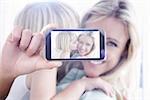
<point>75,44</point>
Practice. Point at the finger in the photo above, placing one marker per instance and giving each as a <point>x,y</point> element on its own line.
<point>48,27</point>
<point>34,45</point>
<point>107,92</point>
<point>44,30</point>
<point>25,39</point>
<point>15,36</point>
<point>110,92</point>
<point>41,47</point>
<point>43,64</point>
<point>104,89</point>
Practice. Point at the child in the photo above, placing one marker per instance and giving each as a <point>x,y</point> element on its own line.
<point>65,43</point>
<point>34,17</point>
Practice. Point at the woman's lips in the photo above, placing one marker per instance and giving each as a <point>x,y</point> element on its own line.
<point>82,53</point>
<point>95,62</point>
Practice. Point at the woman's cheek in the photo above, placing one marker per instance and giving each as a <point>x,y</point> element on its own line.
<point>113,60</point>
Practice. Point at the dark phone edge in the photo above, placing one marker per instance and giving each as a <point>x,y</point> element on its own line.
<point>48,47</point>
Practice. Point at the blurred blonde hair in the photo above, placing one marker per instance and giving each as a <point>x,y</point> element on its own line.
<point>36,15</point>
<point>123,76</point>
<point>63,40</point>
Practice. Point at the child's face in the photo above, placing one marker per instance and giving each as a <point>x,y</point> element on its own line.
<point>116,40</point>
<point>73,44</point>
<point>85,44</point>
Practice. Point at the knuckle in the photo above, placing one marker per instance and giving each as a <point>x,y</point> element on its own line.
<point>27,32</point>
<point>30,51</point>
<point>17,29</point>
<point>23,46</point>
<point>16,37</point>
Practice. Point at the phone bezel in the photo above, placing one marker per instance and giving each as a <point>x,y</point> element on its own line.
<point>102,47</point>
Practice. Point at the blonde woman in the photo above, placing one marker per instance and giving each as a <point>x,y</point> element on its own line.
<point>65,43</point>
<point>34,17</point>
<point>115,78</point>
<point>85,45</point>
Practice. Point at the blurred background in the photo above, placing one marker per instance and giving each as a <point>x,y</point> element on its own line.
<point>10,8</point>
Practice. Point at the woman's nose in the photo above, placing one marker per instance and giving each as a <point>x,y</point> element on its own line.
<point>83,47</point>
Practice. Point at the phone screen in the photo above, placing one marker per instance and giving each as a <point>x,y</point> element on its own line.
<point>75,44</point>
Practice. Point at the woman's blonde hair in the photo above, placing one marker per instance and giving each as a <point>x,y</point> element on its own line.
<point>119,9</point>
<point>35,16</point>
<point>63,40</point>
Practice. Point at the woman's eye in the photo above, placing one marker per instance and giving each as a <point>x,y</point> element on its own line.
<point>112,44</point>
<point>87,44</point>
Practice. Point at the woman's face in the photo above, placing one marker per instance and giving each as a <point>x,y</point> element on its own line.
<point>85,44</point>
<point>116,39</point>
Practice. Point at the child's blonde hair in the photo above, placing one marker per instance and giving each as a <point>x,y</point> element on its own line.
<point>35,16</point>
<point>63,40</point>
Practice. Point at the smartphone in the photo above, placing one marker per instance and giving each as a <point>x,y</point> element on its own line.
<point>75,44</point>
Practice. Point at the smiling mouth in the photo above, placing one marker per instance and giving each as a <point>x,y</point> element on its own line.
<point>82,51</point>
<point>96,62</point>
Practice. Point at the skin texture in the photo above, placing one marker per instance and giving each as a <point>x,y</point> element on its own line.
<point>20,56</point>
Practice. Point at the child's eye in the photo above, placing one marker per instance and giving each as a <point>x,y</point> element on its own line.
<point>112,44</point>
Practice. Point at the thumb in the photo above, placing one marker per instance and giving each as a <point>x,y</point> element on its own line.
<point>44,64</point>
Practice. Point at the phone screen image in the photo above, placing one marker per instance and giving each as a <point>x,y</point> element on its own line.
<point>75,44</point>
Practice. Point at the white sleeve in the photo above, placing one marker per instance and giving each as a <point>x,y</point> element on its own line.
<point>18,89</point>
